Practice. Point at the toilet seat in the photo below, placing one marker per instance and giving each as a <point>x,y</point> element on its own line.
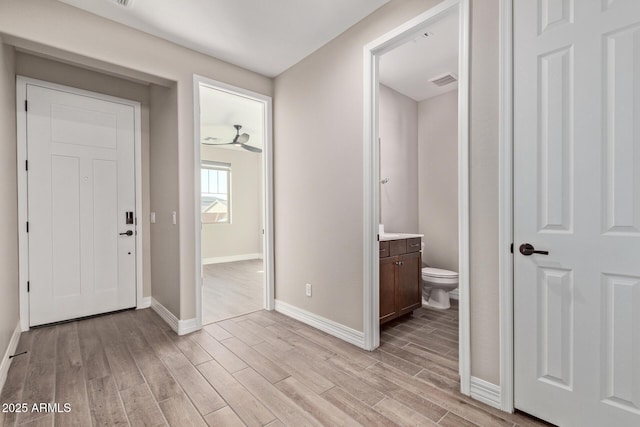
<point>439,273</point>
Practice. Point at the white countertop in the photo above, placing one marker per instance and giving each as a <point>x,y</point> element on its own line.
<point>398,236</point>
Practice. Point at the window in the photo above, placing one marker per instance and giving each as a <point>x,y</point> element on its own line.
<point>215,185</point>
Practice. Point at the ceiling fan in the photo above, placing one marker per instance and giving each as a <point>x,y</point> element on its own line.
<point>238,141</point>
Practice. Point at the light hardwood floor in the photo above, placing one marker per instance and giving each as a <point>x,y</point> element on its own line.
<point>231,289</point>
<point>259,369</point>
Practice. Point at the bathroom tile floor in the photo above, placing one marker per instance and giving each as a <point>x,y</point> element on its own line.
<point>262,368</point>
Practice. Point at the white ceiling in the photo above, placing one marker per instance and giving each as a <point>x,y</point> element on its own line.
<point>265,36</point>
<point>408,68</point>
<point>219,111</point>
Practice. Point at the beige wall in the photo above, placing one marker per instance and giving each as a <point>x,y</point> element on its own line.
<point>244,235</point>
<point>54,28</point>
<point>165,252</point>
<point>438,171</point>
<point>398,130</point>
<point>9,302</point>
<point>483,183</point>
<point>69,75</point>
<point>319,184</point>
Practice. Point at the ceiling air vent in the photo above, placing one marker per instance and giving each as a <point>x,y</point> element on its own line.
<point>444,79</point>
<point>124,3</point>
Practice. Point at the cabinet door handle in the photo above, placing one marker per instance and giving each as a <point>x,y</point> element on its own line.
<point>415,245</point>
<point>399,262</point>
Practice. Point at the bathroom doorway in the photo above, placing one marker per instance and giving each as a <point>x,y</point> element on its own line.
<point>233,201</point>
<point>416,188</point>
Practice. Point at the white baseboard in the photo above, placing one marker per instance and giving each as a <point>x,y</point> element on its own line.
<point>232,258</point>
<point>180,327</point>
<point>11,349</point>
<point>486,392</point>
<point>145,303</point>
<point>329,326</point>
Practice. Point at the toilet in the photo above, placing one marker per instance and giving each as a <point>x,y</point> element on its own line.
<point>440,283</point>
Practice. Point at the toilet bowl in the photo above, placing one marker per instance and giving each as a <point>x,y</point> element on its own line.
<point>437,283</point>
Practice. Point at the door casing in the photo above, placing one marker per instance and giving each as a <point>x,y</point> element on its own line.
<point>23,238</point>
<point>372,53</point>
<point>267,187</point>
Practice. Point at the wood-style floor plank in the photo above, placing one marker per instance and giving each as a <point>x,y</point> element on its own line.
<point>70,383</point>
<point>105,403</point>
<point>180,412</point>
<point>279,404</point>
<point>141,407</point>
<point>201,393</point>
<point>258,369</point>
<point>224,417</point>
<point>245,405</point>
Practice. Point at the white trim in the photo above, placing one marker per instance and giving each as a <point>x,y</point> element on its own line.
<point>505,216</point>
<point>372,52</point>
<point>11,349</point>
<point>230,258</point>
<point>21,130</point>
<point>187,326</point>
<point>145,302</point>
<point>267,182</point>
<point>486,392</point>
<point>336,329</point>
<point>180,327</point>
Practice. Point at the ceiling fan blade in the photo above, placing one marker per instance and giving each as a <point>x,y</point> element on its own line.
<point>210,138</point>
<point>251,148</point>
<point>242,138</point>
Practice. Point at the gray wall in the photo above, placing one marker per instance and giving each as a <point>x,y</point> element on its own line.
<point>69,75</point>
<point>9,302</point>
<point>438,172</point>
<point>318,178</point>
<point>56,29</point>
<point>244,235</point>
<point>398,130</point>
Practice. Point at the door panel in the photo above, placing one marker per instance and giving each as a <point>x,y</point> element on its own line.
<point>576,195</point>
<point>387,288</point>
<point>81,181</point>
<point>409,292</point>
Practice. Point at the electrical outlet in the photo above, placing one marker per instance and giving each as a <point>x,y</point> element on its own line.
<point>308,289</point>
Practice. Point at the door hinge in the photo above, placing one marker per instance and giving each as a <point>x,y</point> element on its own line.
<point>26,165</point>
<point>28,286</point>
<point>26,105</point>
<point>27,226</point>
<point>378,237</point>
<point>512,248</point>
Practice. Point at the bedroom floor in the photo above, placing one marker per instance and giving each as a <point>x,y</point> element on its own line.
<point>231,289</point>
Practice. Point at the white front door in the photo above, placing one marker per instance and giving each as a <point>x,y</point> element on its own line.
<point>81,184</point>
<point>577,196</point>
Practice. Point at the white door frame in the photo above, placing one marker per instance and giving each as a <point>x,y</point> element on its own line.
<point>23,237</point>
<point>372,52</point>
<point>505,214</point>
<point>267,186</point>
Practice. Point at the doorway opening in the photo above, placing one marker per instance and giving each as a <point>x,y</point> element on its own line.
<point>416,123</point>
<point>233,200</point>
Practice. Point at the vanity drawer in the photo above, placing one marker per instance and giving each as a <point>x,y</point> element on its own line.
<point>397,247</point>
<point>414,244</point>
<point>384,249</point>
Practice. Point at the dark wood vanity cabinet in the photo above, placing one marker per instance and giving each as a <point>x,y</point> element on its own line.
<point>400,278</point>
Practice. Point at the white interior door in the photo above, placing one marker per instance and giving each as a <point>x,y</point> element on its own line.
<point>81,184</point>
<point>577,195</point>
